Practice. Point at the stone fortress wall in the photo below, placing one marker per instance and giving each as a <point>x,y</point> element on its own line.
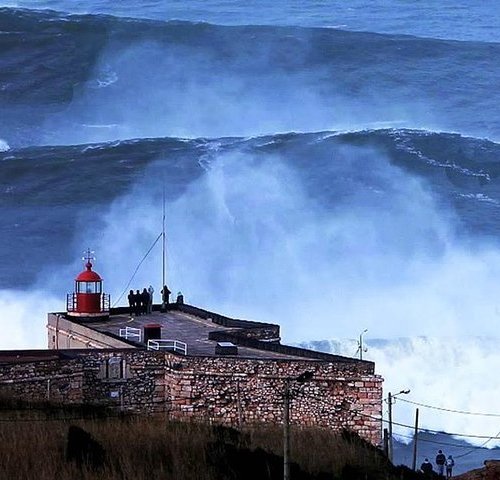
<point>227,390</point>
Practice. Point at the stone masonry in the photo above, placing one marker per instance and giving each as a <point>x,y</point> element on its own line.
<point>230,391</point>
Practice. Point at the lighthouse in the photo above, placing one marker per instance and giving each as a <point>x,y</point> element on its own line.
<point>88,300</point>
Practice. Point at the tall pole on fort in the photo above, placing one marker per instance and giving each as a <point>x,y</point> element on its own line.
<point>164,261</point>
<point>163,238</point>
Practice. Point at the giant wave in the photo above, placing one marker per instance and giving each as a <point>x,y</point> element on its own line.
<point>461,172</point>
<point>67,79</point>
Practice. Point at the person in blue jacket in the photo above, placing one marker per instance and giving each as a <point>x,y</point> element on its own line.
<point>450,463</point>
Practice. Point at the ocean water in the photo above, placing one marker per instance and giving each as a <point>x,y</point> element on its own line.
<point>331,166</point>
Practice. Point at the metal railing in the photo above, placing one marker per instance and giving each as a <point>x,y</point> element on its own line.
<point>170,345</point>
<point>131,332</point>
<point>105,302</point>
<point>72,302</point>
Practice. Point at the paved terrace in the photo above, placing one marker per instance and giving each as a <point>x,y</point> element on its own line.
<point>201,330</point>
<point>177,325</point>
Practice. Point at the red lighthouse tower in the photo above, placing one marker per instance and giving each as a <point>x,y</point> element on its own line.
<point>88,301</point>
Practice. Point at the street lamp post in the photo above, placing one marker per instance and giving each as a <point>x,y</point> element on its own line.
<point>302,378</point>
<point>390,400</point>
<point>360,344</point>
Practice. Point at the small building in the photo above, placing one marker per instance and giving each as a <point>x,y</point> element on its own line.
<point>188,362</point>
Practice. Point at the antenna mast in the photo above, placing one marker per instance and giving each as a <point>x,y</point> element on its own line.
<point>361,348</point>
<point>164,261</point>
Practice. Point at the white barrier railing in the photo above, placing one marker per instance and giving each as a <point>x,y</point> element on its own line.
<point>131,332</point>
<point>171,345</point>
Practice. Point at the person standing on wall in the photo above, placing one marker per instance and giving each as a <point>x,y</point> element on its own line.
<point>440,461</point>
<point>137,302</point>
<point>165,295</point>
<point>145,299</point>
<point>131,301</point>
<point>151,290</point>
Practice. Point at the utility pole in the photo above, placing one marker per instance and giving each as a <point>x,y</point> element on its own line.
<point>390,400</point>
<point>390,427</point>
<point>386,443</point>
<point>286,432</point>
<point>415,441</point>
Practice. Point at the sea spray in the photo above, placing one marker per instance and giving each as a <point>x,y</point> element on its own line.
<point>248,238</point>
<point>4,146</point>
<point>450,371</point>
<point>23,318</point>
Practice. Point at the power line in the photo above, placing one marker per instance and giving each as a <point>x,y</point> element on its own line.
<point>137,269</point>
<point>455,445</point>
<point>443,432</point>
<point>446,444</point>
<point>428,430</point>
<point>464,412</point>
<point>473,449</point>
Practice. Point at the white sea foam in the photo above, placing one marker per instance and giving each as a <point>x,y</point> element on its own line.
<point>108,78</point>
<point>23,318</point>
<point>480,197</point>
<point>104,125</point>
<point>449,372</point>
<point>245,238</point>
<point>4,146</point>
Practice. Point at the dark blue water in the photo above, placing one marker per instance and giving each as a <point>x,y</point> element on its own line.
<point>333,166</point>
<point>461,19</point>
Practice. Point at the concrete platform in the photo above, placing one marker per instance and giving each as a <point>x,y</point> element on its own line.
<point>180,326</point>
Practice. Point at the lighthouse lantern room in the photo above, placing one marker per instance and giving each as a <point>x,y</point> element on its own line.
<point>88,300</point>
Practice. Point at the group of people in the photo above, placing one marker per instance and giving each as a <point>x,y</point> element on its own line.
<point>442,463</point>
<point>142,302</point>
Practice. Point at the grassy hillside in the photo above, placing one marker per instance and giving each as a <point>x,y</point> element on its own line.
<point>33,445</point>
